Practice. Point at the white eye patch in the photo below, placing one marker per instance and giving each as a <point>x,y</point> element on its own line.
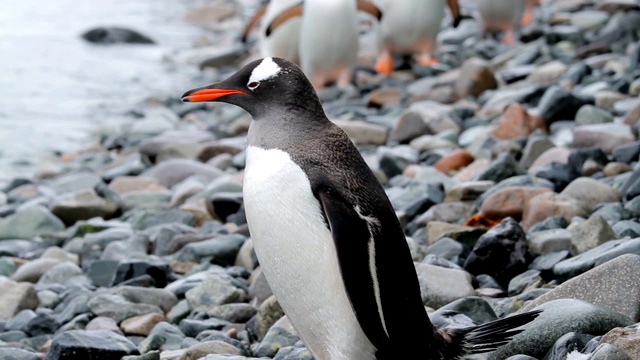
<point>265,70</point>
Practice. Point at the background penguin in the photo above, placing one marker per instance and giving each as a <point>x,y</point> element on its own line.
<point>501,15</point>
<point>328,43</point>
<point>282,42</point>
<point>411,27</point>
<point>325,233</point>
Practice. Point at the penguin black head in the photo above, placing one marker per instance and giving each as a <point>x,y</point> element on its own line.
<point>262,88</point>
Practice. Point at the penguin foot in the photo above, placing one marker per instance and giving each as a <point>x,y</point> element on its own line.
<point>508,38</point>
<point>344,79</point>
<point>527,18</point>
<point>426,60</point>
<point>384,65</point>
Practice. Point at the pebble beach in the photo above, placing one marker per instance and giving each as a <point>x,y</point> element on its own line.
<point>514,170</point>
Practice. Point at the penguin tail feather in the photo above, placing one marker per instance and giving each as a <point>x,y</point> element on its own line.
<point>488,336</point>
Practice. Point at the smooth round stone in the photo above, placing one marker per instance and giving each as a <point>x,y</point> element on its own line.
<point>589,234</point>
<point>18,354</point>
<point>60,273</point>
<point>609,352</point>
<point>566,344</point>
<point>520,282</point>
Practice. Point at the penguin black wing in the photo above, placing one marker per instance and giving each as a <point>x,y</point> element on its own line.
<point>375,263</point>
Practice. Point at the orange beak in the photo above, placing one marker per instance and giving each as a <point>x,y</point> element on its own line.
<point>208,94</point>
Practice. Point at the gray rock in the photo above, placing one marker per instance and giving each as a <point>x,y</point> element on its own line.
<point>174,171</point>
<point>414,199</point>
<point>440,286</point>
<point>450,212</point>
<point>82,205</point>
<point>213,291</point>
<point>192,327</point>
<point>627,228</point>
<point>73,182</point>
<point>171,336</point>
<point>117,308</point>
<point>33,270</point>
<point>222,249</point>
<point>589,234</point>
<point>445,248</point>
<point>280,335</point>
<point>611,285</point>
<point>548,261</point>
<point>234,313</point>
<point>612,213</point>
<point>476,308</point>
<point>145,218</point>
<point>519,283</point>
<point>609,352</point>
<point>60,273</point>
<point>125,165</point>
<point>503,167</point>
<point>151,355</point>
<point>603,136</point>
<point>567,344</point>
<point>559,317</point>
<point>161,298</point>
<point>30,222</point>
<point>393,160</point>
<point>534,148</point>
<point>409,126</point>
<point>586,261</point>
<point>589,114</point>
<point>18,354</point>
<point>269,312</point>
<point>363,133</point>
<point>591,192</point>
<point>293,353</point>
<point>547,241</point>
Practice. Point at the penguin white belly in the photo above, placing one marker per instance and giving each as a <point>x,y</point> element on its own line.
<point>328,37</point>
<point>500,14</point>
<point>285,40</point>
<point>412,25</point>
<point>298,256</point>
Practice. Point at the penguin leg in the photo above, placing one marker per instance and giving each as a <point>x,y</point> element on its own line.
<point>344,78</point>
<point>384,65</point>
<point>527,17</point>
<point>508,37</point>
<point>425,59</point>
<point>318,80</point>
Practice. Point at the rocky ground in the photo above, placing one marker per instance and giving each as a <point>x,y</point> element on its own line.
<point>514,170</point>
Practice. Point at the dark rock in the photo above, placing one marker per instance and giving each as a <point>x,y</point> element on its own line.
<point>192,327</point>
<point>159,271</point>
<point>476,308</point>
<point>631,188</point>
<point>415,199</point>
<point>222,249</point>
<point>503,167</point>
<point>43,323</point>
<point>578,157</point>
<point>559,174</point>
<point>115,35</point>
<point>558,104</point>
<point>627,153</point>
<point>501,252</point>
<point>94,345</point>
<point>223,204</point>
<point>520,282</point>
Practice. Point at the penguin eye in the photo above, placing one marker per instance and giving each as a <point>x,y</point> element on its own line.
<point>253,85</point>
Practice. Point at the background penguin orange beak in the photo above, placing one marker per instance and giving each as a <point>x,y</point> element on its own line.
<point>208,94</point>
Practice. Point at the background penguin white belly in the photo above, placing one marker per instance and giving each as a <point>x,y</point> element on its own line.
<point>329,41</point>
<point>298,255</point>
<point>502,15</point>
<point>284,41</point>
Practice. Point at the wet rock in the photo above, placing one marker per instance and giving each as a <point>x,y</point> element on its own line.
<point>548,73</point>
<point>475,77</point>
<point>501,252</point>
<point>590,234</point>
<point>559,317</point>
<point>30,222</point>
<point>115,35</point>
<point>437,284</point>
<point>90,345</point>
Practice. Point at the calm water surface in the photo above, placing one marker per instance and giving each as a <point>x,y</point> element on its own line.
<point>55,88</point>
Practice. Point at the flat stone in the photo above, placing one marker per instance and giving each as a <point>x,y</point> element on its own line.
<point>440,286</point>
<point>82,205</point>
<point>611,285</point>
<point>579,264</point>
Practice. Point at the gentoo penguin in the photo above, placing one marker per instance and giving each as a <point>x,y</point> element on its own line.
<point>501,15</point>
<point>328,43</point>
<point>411,27</point>
<point>325,233</point>
<point>282,42</point>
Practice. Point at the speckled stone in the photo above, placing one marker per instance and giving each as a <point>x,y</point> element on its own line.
<point>613,285</point>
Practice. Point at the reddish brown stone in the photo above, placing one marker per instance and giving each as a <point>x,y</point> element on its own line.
<point>516,122</point>
<point>510,201</point>
<point>481,220</point>
<point>383,97</point>
<point>454,160</point>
